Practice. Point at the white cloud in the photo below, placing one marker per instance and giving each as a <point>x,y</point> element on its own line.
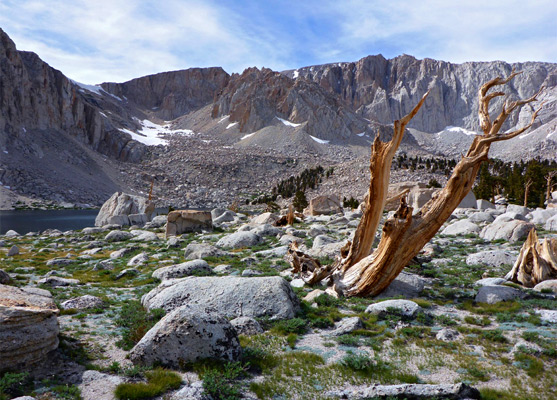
<point>117,40</point>
<point>510,30</point>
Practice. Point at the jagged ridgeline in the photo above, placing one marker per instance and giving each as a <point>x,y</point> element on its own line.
<point>309,178</point>
<point>513,180</point>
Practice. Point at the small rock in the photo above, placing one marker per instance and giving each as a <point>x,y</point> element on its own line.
<point>495,294</point>
<point>173,241</point>
<point>246,326</point>
<point>406,308</point>
<point>128,271</point>
<point>491,258</point>
<point>297,283</point>
<point>11,233</point>
<point>347,325</point>
<point>321,241</point>
<point>250,272</point>
<point>406,285</point>
<point>548,285</point>
<point>222,269</point>
<point>56,281</point>
<point>143,236</point>
<point>122,252</point>
<point>104,265</point>
<point>139,259</point>
<point>14,251</point>
<point>490,282</point>
<point>201,250</point>
<point>548,316</point>
<point>83,303</point>
<point>227,216</point>
<point>238,240</point>
<point>59,262</point>
<point>92,230</point>
<point>311,296</point>
<point>118,236</point>
<point>193,391</point>
<point>447,335</point>
<point>4,277</point>
<point>462,227</point>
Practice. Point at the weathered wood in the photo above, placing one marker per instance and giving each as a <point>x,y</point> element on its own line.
<point>362,273</point>
<point>536,262</point>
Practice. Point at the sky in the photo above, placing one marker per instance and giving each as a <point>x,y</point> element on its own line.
<point>94,41</point>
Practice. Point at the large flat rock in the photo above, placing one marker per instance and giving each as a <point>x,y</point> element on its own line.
<point>230,296</point>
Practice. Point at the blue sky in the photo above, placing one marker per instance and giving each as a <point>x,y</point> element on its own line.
<point>95,41</point>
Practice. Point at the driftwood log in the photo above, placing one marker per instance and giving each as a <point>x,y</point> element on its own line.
<point>536,262</point>
<point>358,271</point>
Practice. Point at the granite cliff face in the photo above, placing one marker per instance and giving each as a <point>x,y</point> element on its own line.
<point>36,97</point>
<point>169,95</point>
<point>383,90</point>
<point>256,97</point>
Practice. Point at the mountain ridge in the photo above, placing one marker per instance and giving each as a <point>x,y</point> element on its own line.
<point>326,114</point>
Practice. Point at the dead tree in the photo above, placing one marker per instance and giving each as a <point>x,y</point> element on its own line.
<point>527,187</point>
<point>548,178</point>
<point>536,262</point>
<point>358,271</point>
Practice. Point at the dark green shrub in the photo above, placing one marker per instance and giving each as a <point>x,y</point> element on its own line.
<point>294,325</point>
<point>221,383</point>
<point>135,321</point>
<point>14,384</point>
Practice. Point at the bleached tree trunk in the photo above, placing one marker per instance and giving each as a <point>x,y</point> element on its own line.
<point>548,178</point>
<point>358,271</point>
<point>536,262</point>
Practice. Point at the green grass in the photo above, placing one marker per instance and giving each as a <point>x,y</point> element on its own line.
<point>158,382</point>
<point>135,321</point>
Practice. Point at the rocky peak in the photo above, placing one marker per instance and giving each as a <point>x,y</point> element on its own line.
<point>384,90</point>
<point>256,98</point>
<point>169,95</point>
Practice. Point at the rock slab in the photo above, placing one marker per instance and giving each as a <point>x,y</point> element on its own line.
<point>229,296</point>
<point>409,391</point>
<point>183,221</point>
<point>28,326</point>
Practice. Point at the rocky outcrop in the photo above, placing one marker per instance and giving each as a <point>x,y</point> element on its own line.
<point>172,94</point>
<point>125,209</point>
<point>384,90</point>
<point>37,97</point>
<point>256,98</point>
<point>28,326</point>
<point>230,296</point>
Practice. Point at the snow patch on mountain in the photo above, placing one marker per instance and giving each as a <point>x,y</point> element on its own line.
<point>153,134</point>
<point>319,140</point>
<point>288,123</point>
